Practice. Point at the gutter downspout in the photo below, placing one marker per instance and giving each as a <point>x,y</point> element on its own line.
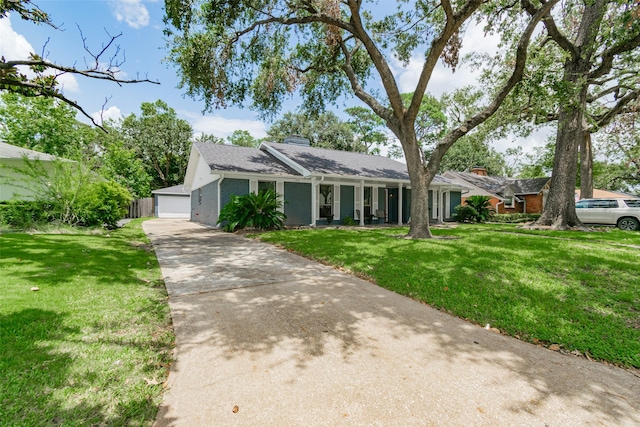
<point>498,206</point>
<point>219,191</point>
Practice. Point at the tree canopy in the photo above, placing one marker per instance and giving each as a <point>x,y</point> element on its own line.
<point>162,141</point>
<point>324,130</point>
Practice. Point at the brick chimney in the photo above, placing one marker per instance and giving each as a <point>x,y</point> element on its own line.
<point>479,170</point>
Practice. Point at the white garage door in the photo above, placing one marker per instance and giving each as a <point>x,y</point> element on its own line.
<point>173,206</point>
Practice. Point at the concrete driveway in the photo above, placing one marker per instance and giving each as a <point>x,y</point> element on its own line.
<point>267,338</point>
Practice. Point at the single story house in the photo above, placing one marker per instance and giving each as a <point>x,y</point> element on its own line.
<point>507,195</point>
<point>315,184</point>
<point>172,202</point>
<point>13,183</point>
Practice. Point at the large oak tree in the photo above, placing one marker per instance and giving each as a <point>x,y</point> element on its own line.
<point>599,41</point>
<point>232,51</point>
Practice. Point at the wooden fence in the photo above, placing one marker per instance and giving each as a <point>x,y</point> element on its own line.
<point>141,208</point>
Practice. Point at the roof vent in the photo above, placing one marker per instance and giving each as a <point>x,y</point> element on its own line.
<point>297,140</point>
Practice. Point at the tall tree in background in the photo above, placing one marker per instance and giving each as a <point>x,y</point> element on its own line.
<point>324,130</point>
<point>44,124</point>
<point>243,138</point>
<point>367,129</point>
<point>41,79</point>
<point>162,141</point>
<point>229,52</point>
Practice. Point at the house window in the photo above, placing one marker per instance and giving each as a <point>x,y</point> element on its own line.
<point>266,185</point>
<point>326,201</point>
<point>508,202</point>
<point>199,196</point>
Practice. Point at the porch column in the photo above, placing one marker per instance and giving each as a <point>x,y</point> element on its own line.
<point>313,202</point>
<point>400,203</point>
<point>361,203</point>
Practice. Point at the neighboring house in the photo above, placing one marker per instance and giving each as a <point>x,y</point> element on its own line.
<point>172,202</point>
<point>315,183</point>
<point>507,195</point>
<point>13,184</point>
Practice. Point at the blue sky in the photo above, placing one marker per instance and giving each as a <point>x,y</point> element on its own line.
<point>142,44</point>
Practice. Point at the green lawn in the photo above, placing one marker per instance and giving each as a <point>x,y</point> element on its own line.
<point>576,289</point>
<point>93,345</point>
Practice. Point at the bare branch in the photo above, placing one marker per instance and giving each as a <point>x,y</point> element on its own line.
<point>91,73</point>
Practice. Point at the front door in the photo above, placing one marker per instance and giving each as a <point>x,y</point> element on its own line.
<point>392,203</point>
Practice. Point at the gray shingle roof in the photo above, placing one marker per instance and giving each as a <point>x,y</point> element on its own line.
<point>318,161</point>
<point>529,186</point>
<point>231,158</point>
<point>497,184</point>
<point>345,163</point>
<point>175,190</point>
<point>8,151</point>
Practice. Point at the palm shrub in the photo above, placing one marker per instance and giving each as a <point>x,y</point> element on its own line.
<point>482,207</point>
<point>260,211</point>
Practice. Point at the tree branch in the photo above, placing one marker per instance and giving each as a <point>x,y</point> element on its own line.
<point>606,118</point>
<point>454,21</point>
<point>518,71</point>
<point>608,56</point>
<point>550,24</point>
<point>358,90</point>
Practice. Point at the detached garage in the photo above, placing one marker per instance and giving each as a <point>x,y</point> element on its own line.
<point>172,202</point>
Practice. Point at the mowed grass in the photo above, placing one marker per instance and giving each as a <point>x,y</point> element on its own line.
<point>575,289</point>
<point>93,345</point>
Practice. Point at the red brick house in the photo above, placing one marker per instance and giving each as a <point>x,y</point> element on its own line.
<point>507,195</point>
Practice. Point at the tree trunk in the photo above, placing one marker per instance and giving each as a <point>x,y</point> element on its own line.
<point>560,209</point>
<point>586,167</point>
<point>420,181</point>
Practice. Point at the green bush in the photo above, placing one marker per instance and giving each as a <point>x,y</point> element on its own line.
<point>24,214</point>
<point>465,213</point>
<point>68,193</point>
<point>260,211</point>
<point>515,217</point>
<point>347,220</point>
<point>103,203</point>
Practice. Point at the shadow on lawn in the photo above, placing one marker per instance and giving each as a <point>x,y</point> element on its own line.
<point>54,259</point>
<point>313,313</point>
<point>32,370</point>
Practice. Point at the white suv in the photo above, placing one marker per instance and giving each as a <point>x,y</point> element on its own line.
<point>623,213</point>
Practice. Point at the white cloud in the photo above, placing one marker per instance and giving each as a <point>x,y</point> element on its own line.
<point>133,12</point>
<point>112,112</point>
<point>15,46</point>
<point>222,127</point>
